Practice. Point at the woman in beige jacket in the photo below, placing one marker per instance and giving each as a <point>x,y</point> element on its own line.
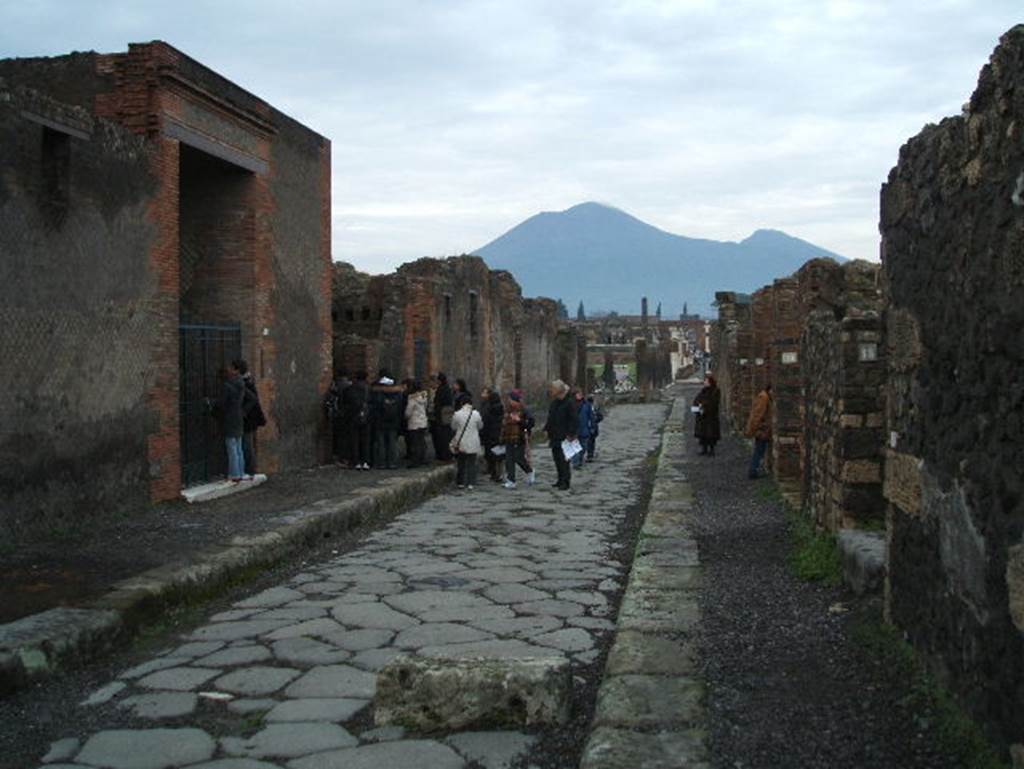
<point>416,424</point>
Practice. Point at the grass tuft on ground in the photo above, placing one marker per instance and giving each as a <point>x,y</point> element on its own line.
<point>815,556</point>
<point>961,737</point>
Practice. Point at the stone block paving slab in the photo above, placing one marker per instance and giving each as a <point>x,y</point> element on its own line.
<point>500,574</point>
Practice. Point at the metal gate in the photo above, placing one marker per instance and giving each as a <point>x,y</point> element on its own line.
<point>205,352</point>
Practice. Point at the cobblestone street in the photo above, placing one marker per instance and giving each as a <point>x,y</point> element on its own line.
<point>285,677</point>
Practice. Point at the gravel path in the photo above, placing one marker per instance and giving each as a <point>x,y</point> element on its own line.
<point>787,687</point>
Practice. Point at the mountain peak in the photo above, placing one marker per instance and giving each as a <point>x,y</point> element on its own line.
<point>607,258</point>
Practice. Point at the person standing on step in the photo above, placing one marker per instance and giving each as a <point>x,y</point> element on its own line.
<point>253,418</point>
<point>759,427</point>
<point>515,434</point>
<point>707,426</point>
<point>560,426</point>
<point>232,412</point>
<point>466,446</point>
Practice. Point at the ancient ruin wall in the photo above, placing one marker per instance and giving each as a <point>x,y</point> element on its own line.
<point>77,353</point>
<point>953,255</point>
<point>843,368</point>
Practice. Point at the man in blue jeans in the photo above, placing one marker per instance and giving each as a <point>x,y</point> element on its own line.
<point>759,427</point>
<point>232,415</point>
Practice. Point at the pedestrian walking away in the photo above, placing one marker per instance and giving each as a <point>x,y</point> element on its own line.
<point>253,418</point>
<point>560,426</point>
<point>492,411</point>
<point>466,445</point>
<point>707,426</point>
<point>515,435</point>
<point>416,424</point>
<point>759,427</point>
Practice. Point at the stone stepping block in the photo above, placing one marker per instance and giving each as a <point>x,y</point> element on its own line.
<point>437,634</point>
<point>178,679</point>
<point>403,754</point>
<point>333,681</point>
<point>637,701</point>
<point>147,748</point>
<point>322,709</point>
<point>617,748</point>
<point>377,616</point>
<point>492,750</point>
<point>307,652</point>
<point>289,740</point>
<point>446,694</point>
<point>256,680</point>
<point>237,655</point>
<point>161,704</point>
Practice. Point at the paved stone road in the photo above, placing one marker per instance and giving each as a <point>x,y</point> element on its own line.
<point>491,572</point>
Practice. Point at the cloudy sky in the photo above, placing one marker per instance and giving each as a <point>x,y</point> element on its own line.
<point>452,121</point>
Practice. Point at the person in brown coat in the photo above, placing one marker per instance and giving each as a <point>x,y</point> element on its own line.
<point>759,427</point>
<point>707,428</point>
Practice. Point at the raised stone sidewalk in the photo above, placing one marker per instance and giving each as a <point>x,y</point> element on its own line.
<point>650,710</point>
<point>42,644</point>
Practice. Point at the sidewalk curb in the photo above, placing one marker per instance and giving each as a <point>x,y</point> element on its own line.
<point>43,644</point>
<point>650,706</point>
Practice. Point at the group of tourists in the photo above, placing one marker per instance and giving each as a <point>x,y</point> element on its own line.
<point>368,419</point>
<point>708,429</point>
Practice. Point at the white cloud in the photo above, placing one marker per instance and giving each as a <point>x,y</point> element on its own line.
<point>452,121</point>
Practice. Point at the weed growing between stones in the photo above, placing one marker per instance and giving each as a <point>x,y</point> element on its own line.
<point>960,736</point>
<point>815,557</point>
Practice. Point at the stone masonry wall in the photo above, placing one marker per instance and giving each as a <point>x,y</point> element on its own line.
<point>453,315</point>
<point>952,227</point>
<point>843,368</point>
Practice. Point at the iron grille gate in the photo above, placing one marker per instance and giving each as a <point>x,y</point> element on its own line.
<point>205,351</point>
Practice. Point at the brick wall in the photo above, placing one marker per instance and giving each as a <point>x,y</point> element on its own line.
<point>952,222</point>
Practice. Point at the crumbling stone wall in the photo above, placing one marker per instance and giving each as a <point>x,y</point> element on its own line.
<point>952,222</point>
<point>843,368</point>
<point>453,315</point>
<point>731,348</point>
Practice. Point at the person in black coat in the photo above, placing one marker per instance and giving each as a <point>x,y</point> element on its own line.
<point>493,412</point>
<point>386,412</point>
<point>253,418</point>
<point>707,427</point>
<point>441,422</point>
<point>355,405</point>
<point>561,426</point>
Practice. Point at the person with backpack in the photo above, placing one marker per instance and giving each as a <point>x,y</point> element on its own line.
<point>355,406</point>
<point>492,412</point>
<point>231,405</point>
<point>386,421</point>
<point>466,446</point>
<point>443,411</point>
<point>515,437</point>
<point>253,418</point>
<point>416,424</point>
<point>595,429</point>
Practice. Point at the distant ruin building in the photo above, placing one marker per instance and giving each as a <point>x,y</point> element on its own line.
<point>156,220</point>
<point>454,315</point>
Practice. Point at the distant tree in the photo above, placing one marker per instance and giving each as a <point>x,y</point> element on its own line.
<point>563,311</point>
<point>580,314</point>
<point>657,312</point>
<point>686,312</point>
